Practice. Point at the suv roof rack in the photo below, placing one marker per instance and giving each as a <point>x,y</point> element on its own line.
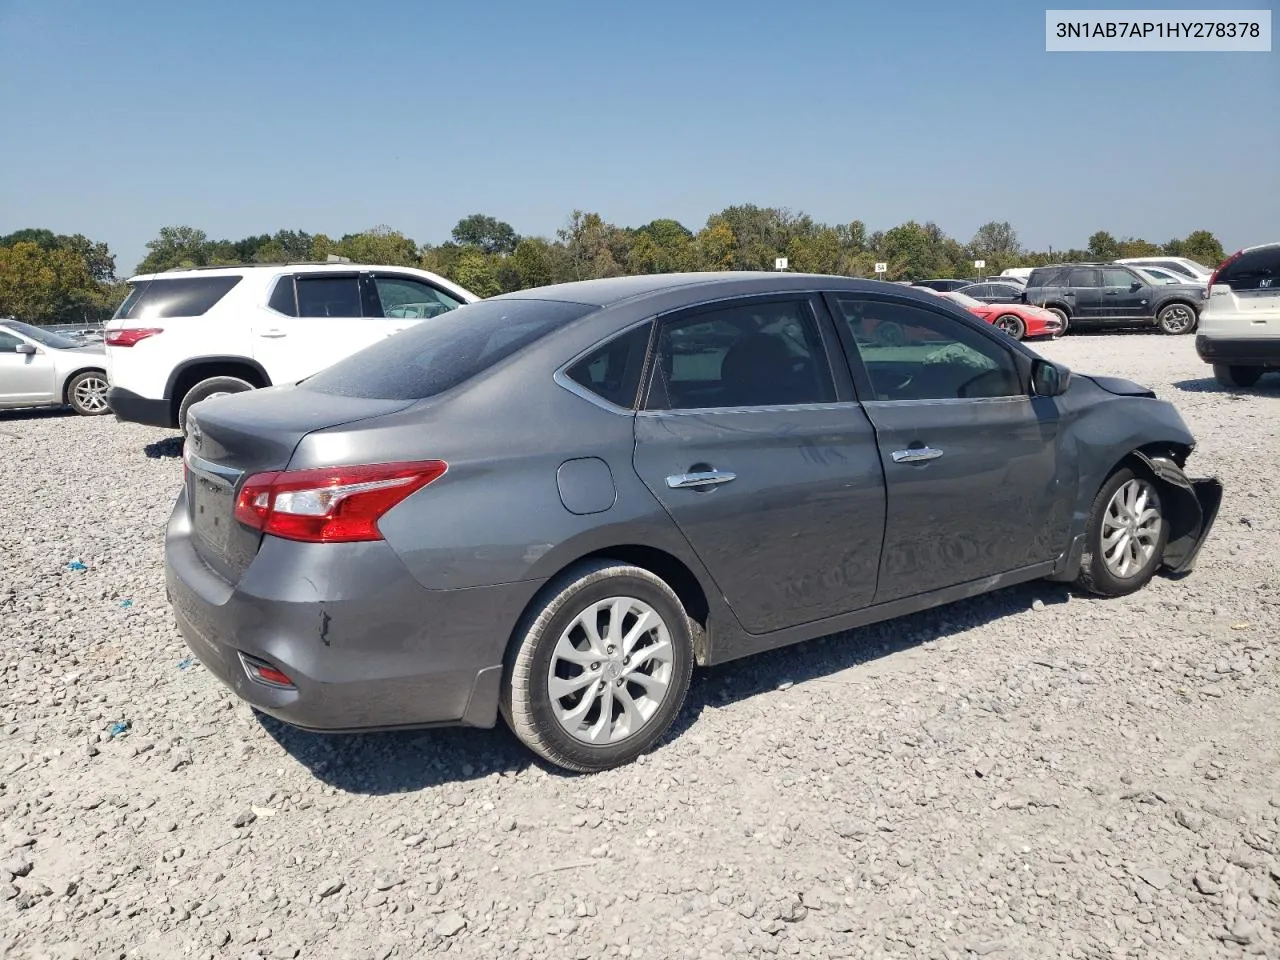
<point>248,266</point>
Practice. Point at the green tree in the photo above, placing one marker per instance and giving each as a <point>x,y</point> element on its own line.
<point>176,247</point>
<point>532,260</point>
<point>998,244</point>
<point>1132,247</point>
<point>1203,247</point>
<point>474,271</point>
<point>591,244</point>
<point>488,233</point>
<point>47,286</point>
<point>379,245</point>
<point>1103,246</point>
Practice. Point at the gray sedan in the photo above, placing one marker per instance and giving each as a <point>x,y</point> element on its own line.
<point>39,368</point>
<point>553,505</point>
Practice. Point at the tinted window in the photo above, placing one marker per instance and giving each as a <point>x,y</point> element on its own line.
<point>1005,290</point>
<point>1083,278</point>
<point>613,371</point>
<point>1118,278</point>
<point>404,297</point>
<point>328,296</point>
<point>979,290</point>
<point>755,355</point>
<point>1047,277</point>
<point>178,297</point>
<point>915,354</point>
<point>1177,268</point>
<point>1255,270</point>
<point>429,358</point>
<point>8,342</point>
<point>283,300</point>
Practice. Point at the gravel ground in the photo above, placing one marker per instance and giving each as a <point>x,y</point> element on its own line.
<point>1029,774</point>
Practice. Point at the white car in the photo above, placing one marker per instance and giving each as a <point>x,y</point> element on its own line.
<point>1160,274</point>
<point>1240,323</point>
<point>1189,270</point>
<point>186,335</point>
<point>39,368</point>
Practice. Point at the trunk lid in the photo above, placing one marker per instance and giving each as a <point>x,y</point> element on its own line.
<point>234,437</point>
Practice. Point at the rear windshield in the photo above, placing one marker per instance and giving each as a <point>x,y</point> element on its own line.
<point>177,297</point>
<point>1254,270</point>
<point>437,354</point>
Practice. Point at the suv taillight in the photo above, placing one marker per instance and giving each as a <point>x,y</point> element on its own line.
<point>331,504</point>
<point>1222,266</point>
<point>128,337</point>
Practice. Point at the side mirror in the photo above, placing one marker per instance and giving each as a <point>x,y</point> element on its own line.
<point>1135,286</point>
<point>1049,379</point>
<point>28,348</point>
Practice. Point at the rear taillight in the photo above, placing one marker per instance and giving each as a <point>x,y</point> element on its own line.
<point>131,335</point>
<point>331,504</point>
<point>1222,266</point>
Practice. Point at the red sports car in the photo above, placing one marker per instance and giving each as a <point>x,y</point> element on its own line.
<point>1018,320</point>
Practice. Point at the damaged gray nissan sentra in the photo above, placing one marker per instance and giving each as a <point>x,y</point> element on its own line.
<point>553,504</point>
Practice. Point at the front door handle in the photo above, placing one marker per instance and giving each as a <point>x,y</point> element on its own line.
<point>916,454</point>
<point>705,478</point>
<point>273,334</point>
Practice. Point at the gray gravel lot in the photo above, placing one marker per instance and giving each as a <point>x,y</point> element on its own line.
<point>1029,774</point>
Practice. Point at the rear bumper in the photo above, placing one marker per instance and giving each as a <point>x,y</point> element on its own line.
<point>366,646</point>
<point>127,405</point>
<point>1240,351</point>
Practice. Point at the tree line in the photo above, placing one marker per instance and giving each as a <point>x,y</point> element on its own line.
<point>53,278</point>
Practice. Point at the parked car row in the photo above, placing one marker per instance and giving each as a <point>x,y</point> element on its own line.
<point>40,368</point>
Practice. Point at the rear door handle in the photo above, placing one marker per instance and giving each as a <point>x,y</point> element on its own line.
<point>916,454</point>
<point>273,334</point>
<point>706,478</point>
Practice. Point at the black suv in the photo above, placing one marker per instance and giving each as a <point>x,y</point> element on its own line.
<point>1113,294</point>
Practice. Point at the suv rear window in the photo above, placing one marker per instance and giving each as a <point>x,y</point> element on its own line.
<point>178,297</point>
<point>438,354</point>
<point>1254,270</point>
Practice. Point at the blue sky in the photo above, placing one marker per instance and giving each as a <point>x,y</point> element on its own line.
<point>246,117</point>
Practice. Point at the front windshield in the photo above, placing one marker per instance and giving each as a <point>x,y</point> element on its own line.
<point>44,337</point>
<point>964,300</point>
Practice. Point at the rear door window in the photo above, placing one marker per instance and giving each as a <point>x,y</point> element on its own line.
<point>163,297</point>
<point>1254,270</point>
<point>329,296</point>
<point>429,358</point>
<point>762,354</point>
<point>1083,277</point>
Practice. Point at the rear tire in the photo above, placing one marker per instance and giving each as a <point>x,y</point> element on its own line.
<point>1125,535</point>
<point>561,679</point>
<point>1012,325</point>
<point>1062,318</point>
<point>1236,377</point>
<point>213,387</point>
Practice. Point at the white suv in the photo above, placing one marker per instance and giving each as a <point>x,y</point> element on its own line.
<point>186,335</point>
<point>1189,270</point>
<point>1240,322</point>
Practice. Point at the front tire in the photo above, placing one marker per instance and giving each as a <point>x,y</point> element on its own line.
<point>87,393</point>
<point>1237,377</point>
<point>598,672</point>
<point>1012,325</point>
<point>213,387</point>
<point>1125,535</point>
<point>1176,319</point>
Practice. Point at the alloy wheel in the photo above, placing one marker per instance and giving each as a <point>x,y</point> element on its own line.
<point>91,394</point>
<point>1130,528</point>
<point>610,670</point>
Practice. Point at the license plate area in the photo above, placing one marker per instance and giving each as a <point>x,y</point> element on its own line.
<point>212,511</point>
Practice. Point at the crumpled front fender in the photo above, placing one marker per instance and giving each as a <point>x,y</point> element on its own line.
<point>1191,507</point>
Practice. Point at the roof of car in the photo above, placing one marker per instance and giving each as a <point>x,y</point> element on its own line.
<point>231,269</point>
<point>611,290</point>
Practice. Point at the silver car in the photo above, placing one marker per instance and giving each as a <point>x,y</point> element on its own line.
<point>39,368</point>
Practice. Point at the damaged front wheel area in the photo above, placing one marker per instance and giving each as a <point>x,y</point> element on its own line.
<point>1191,508</point>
